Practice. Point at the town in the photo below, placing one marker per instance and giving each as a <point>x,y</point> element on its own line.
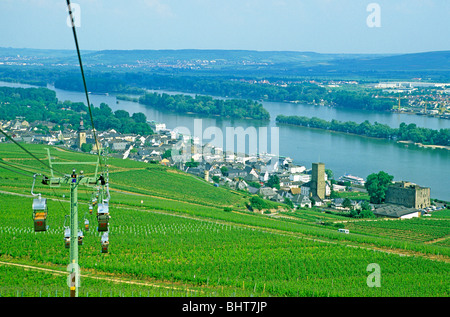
<point>270,177</point>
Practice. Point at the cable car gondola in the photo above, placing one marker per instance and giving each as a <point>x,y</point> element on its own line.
<point>40,210</point>
<point>103,216</point>
<point>80,237</point>
<point>105,242</point>
<point>67,238</point>
<point>40,214</point>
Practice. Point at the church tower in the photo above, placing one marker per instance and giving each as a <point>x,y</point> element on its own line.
<point>318,180</point>
<point>81,134</point>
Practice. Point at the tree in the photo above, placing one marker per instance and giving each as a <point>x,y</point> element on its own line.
<point>192,164</point>
<point>121,114</point>
<point>85,147</point>
<point>365,205</point>
<point>366,214</point>
<point>224,170</point>
<point>354,213</point>
<point>329,174</point>
<point>347,203</point>
<point>377,185</point>
<point>333,193</point>
<point>104,110</point>
<point>288,202</point>
<point>215,178</point>
<point>259,203</point>
<point>167,154</point>
<point>274,182</point>
<point>139,117</point>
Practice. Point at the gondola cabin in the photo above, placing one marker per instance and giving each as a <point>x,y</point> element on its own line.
<point>103,216</point>
<point>67,238</point>
<point>80,237</point>
<point>86,224</point>
<point>40,214</point>
<point>105,242</point>
<point>91,208</point>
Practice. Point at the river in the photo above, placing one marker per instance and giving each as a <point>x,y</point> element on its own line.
<point>342,153</point>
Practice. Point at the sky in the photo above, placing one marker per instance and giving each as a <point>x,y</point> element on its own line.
<point>323,26</point>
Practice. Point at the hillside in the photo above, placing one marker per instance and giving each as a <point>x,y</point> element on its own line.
<point>232,63</point>
<point>220,56</point>
<point>426,61</point>
<point>133,57</point>
<point>164,185</point>
<point>171,235</point>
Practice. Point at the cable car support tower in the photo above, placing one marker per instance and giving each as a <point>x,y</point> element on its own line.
<point>74,180</point>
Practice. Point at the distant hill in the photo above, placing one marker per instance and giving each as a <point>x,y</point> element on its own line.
<point>247,62</point>
<point>231,56</point>
<point>132,57</point>
<point>36,54</point>
<point>439,60</point>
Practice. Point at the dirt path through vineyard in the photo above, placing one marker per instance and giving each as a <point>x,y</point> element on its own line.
<point>97,276</point>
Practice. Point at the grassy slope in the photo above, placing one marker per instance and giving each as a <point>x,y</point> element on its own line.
<point>170,229</point>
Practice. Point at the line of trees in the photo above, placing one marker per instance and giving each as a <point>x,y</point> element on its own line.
<point>100,83</point>
<point>41,104</point>
<point>120,120</point>
<point>405,132</point>
<point>206,105</point>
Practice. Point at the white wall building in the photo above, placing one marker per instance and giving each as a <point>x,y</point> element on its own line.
<point>300,178</point>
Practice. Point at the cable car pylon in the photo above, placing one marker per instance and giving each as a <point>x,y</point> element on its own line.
<point>72,233</point>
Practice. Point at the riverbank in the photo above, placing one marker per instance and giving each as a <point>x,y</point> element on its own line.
<point>426,145</point>
<point>375,138</point>
<point>409,133</point>
<point>420,112</point>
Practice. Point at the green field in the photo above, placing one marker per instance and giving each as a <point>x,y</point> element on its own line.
<point>170,236</point>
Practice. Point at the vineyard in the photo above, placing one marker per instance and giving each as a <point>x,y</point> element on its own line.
<point>417,229</point>
<point>171,236</point>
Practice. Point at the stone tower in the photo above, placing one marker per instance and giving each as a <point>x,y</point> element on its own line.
<point>81,134</point>
<point>318,180</point>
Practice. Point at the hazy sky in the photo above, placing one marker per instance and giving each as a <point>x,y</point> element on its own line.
<point>324,26</point>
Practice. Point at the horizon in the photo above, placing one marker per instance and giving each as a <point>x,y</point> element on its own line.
<point>218,49</point>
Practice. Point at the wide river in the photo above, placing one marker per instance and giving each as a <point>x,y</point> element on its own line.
<point>359,156</point>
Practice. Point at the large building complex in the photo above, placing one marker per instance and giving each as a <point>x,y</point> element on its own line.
<point>408,194</point>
